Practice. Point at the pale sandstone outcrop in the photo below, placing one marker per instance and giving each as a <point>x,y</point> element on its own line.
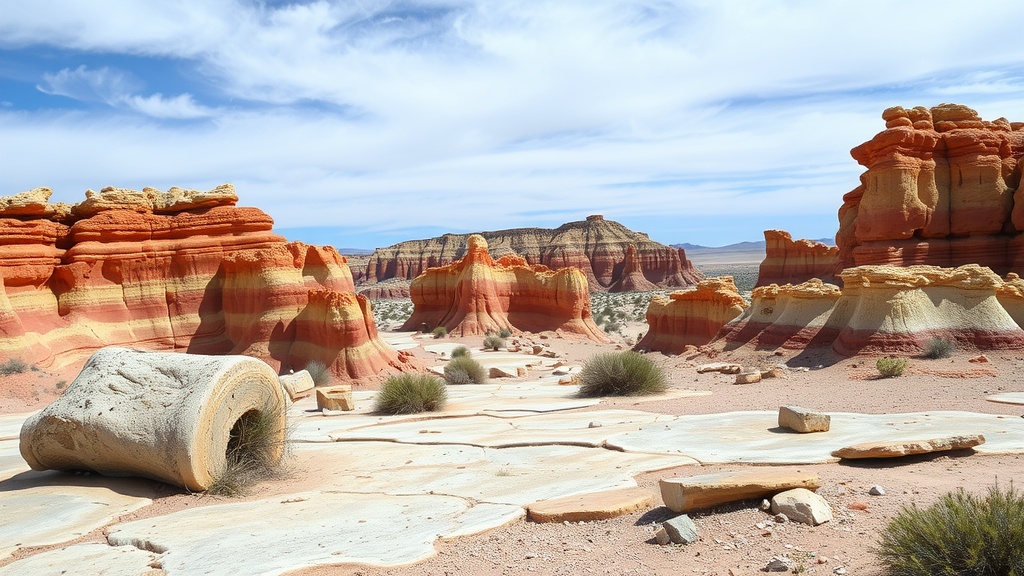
<point>182,270</point>
<point>592,506</point>
<point>691,317</point>
<point>789,261</point>
<point>160,415</point>
<point>703,491</point>
<point>596,246</point>
<point>896,449</point>
<point>477,294</point>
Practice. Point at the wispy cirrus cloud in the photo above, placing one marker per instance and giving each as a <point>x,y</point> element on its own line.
<point>119,90</point>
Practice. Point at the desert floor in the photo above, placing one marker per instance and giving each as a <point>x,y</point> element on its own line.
<point>734,539</point>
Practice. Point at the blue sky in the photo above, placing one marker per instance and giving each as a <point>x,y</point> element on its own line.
<point>364,123</point>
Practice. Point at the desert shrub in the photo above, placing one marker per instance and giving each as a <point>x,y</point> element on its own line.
<point>440,332</point>
<point>493,342</point>
<point>253,454</point>
<point>464,370</point>
<point>504,333</point>
<point>961,534</point>
<point>319,373</point>
<point>621,374</point>
<point>13,366</point>
<point>890,367</point>
<point>411,393</point>
<point>460,352</point>
<point>939,348</point>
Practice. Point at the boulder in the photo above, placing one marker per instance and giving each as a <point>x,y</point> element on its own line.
<point>802,505</point>
<point>298,385</point>
<point>802,420</point>
<point>592,506</point>
<point>167,416</point>
<point>336,398</point>
<point>897,449</point>
<point>703,491</point>
<point>681,530</point>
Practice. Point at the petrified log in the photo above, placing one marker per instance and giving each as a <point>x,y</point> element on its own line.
<point>167,416</point>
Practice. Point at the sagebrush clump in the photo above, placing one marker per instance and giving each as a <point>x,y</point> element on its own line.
<point>494,342</point>
<point>440,332</point>
<point>890,367</point>
<point>505,333</point>
<point>961,534</point>
<point>621,374</point>
<point>411,393</point>
<point>939,348</point>
<point>464,370</point>
<point>319,373</point>
<point>460,351</point>
<point>13,366</point>
<point>254,452</point>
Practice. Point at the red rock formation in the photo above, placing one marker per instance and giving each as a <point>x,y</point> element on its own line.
<point>691,317</point>
<point>789,261</point>
<point>596,246</point>
<point>181,270</point>
<point>477,294</point>
<point>942,187</point>
<point>632,277</point>
<point>881,310</point>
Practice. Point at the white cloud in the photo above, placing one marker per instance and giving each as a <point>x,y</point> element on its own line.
<point>489,113</point>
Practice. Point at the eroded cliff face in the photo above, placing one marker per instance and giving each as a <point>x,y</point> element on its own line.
<point>478,294</point>
<point>789,261</point>
<point>691,317</point>
<point>942,187</point>
<point>179,270</point>
<point>598,247</point>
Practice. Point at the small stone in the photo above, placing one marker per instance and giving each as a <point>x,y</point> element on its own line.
<point>748,377</point>
<point>780,518</point>
<point>802,505</point>
<point>857,506</point>
<point>840,571</point>
<point>298,385</point>
<point>877,490</point>
<point>681,529</point>
<point>779,564</point>
<point>662,537</point>
<point>594,424</point>
<point>980,359</point>
<point>500,372</point>
<point>765,505</point>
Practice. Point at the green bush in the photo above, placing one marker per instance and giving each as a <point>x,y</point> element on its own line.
<point>255,446</point>
<point>464,370</point>
<point>319,373</point>
<point>13,366</point>
<point>493,342</point>
<point>440,332</point>
<point>460,352</point>
<point>621,374</point>
<point>411,393</point>
<point>505,333</point>
<point>890,367</point>
<point>939,348</point>
<point>961,534</point>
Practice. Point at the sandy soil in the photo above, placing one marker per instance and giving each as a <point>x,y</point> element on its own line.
<point>735,539</point>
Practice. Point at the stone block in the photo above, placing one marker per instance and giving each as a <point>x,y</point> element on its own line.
<point>593,506</point>
<point>335,398</point>
<point>802,420</point>
<point>298,385</point>
<point>703,491</point>
<point>909,447</point>
<point>681,529</point>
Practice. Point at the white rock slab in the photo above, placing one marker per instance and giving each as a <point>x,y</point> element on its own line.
<point>42,508</point>
<point>575,428</point>
<point>92,559</point>
<point>275,535</point>
<point>399,340</point>
<point>1007,398</point>
<point>755,437</point>
<point>10,425</point>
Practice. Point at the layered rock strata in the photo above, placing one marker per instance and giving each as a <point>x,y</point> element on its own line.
<point>165,416</point>
<point>881,310</point>
<point>598,247</point>
<point>789,261</point>
<point>691,317</point>
<point>477,294</point>
<point>942,187</point>
<point>179,270</point>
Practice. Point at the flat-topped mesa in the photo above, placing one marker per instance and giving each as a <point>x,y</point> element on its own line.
<point>691,317</point>
<point>477,294</point>
<point>789,261</point>
<point>596,246</point>
<point>180,270</point>
<point>881,310</point>
<point>942,187</point>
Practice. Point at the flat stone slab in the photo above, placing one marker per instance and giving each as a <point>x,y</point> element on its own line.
<point>400,340</point>
<point>684,494</point>
<point>91,558</point>
<point>590,507</point>
<point>908,448</point>
<point>1007,398</point>
<point>43,508</point>
<point>754,437</point>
